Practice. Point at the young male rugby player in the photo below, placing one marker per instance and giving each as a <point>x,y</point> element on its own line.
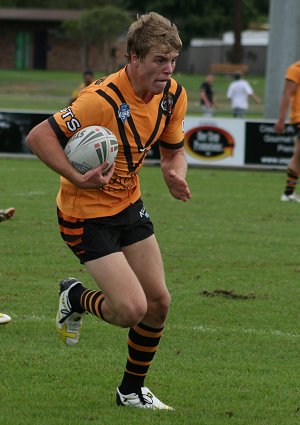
<point>290,100</point>
<point>102,217</point>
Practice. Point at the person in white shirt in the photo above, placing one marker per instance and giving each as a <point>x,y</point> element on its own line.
<point>238,92</point>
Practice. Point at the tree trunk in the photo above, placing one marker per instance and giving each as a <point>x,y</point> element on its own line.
<point>237,51</point>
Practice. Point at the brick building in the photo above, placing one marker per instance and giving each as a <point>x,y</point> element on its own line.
<point>35,39</point>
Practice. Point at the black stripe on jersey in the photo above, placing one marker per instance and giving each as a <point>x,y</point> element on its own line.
<point>58,132</point>
<point>175,98</point>
<point>171,145</point>
<point>136,135</point>
<point>121,128</point>
<point>132,125</point>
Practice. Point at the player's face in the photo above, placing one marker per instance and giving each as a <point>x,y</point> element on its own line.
<point>155,70</point>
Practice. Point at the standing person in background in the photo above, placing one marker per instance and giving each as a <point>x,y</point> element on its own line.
<point>207,100</point>
<point>7,214</point>
<point>291,99</point>
<point>88,77</point>
<point>102,217</point>
<point>238,92</point>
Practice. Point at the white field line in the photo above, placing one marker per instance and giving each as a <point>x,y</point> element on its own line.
<point>222,330</point>
<point>198,328</point>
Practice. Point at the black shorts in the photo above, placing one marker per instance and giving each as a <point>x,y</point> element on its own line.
<point>297,129</point>
<point>96,237</point>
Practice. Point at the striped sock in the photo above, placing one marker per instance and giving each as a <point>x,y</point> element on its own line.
<point>142,345</point>
<point>83,299</point>
<point>291,182</point>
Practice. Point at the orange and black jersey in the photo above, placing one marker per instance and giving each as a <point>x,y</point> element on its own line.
<point>112,103</point>
<point>293,74</point>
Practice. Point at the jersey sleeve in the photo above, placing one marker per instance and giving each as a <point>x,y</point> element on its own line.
<point>293,73</point>
<point>85,111</point>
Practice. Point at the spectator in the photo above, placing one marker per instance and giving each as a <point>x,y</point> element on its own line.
<point>207,96</point>
<point>238,92</point>
<point>88,77</point>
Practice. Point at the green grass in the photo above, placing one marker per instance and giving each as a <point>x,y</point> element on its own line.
<point>228,358</point>
<point>51,90</point>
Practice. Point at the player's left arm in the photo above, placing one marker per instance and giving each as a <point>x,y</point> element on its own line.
<point>174,167</point>
<point>172,158</point>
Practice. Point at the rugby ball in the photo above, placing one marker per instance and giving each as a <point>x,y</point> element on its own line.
<point>90,147</point>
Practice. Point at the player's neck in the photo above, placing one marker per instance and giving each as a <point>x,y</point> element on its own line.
<point>143,94</point>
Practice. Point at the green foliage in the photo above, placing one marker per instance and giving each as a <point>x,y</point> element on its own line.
<point>100,27</point>
<point>103,24</point>
<point>196,18</point>
<point>226,358</point>
<point>58,4</point>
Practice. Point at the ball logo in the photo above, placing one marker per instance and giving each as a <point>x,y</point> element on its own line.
<point>209,143</point>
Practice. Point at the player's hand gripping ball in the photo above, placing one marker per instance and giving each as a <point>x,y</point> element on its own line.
<point>90,147</point>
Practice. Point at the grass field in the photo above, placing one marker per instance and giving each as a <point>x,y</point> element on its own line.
<point>51,90</point>
<point>230,351</point>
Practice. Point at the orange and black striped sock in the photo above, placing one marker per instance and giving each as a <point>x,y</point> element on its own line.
<point>291,182</point>
<point>142,345</point>
<point>83,299</point>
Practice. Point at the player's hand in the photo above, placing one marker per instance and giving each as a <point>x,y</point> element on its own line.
<point>96,178</point>
<point>178,186</point>
<point>279,127</point>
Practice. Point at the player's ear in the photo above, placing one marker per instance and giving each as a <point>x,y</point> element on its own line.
<point>133,58</point>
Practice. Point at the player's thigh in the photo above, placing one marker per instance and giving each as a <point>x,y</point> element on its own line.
<point>117,281</point>
<point>297,142</point>
<point>145,259</point>
<point>295,160</point>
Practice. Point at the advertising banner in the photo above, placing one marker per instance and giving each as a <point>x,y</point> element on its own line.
<point>265,147</point>
<point>215,141</point>
<point>14,127</point>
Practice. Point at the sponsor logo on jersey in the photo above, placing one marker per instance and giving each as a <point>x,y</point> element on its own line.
<point>71,122</point>
<point>144,213</point>
<point>124,112</point>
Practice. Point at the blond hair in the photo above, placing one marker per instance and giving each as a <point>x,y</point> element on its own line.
<point>152,30</point>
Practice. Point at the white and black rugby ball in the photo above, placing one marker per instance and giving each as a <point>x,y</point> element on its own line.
<point>90,147</point>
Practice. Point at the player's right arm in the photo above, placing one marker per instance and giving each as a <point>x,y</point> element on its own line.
<point>288,91</point>
<point>44,143</point>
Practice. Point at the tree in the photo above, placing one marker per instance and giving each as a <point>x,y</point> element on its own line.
<point>58,4</point>
<point>237,49</point>
<point>100,27</point>
<point>194,18</point>
<point>209,18</point>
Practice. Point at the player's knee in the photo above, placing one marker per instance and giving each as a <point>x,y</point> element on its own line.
<point>132,313</point>
<point>159,307</point>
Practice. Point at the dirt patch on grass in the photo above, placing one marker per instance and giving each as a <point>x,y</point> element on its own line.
<point>228,294</point>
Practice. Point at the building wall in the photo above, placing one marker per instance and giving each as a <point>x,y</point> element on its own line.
<point>7,48</point>
<point>58,51</point>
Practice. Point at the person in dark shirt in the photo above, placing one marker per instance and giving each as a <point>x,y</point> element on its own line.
<point>207,96</point>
